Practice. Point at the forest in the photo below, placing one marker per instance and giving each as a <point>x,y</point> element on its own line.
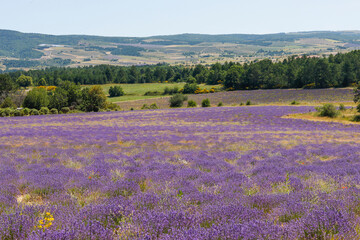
<point>340,70</point>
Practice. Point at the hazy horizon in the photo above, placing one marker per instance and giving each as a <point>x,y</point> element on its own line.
<point>355,30</point>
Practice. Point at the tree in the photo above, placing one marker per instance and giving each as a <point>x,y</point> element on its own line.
<point>59,99</point>
<point>73,92</point>
<point>357,97</point>
<point>6,85</point>
<point>133,75</point>
<point>116,91</point>
<point>190,88</point>
<point>322,74</point>
<point>36,98</point>
<point>24,81</point>
<point>42,82</point>
<point>233,78</point>
<point>93,99</point>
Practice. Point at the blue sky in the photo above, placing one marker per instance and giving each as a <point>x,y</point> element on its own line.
<point>163,17</point>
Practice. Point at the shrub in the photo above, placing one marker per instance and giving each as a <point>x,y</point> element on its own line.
<point>34,112</point>
<point>5,112</point>
<point>153,106</point>
<point>248,103</point>
<point>327,110</point>
<point>220,104</point>
<point>65,110</point>
<point>190,88</point>
<point>205,103</point>
<point>342,107</point>
<point>191,103</point>
<point>116,91</point>
<point>145,106</point>
<point>16,113</point>
<point>356,118</point>
<point>44,111</point>
<point>177,100</point>
<point>25,112</point>
<point>8,103</point>
<point>53,111</point>
<point>170,91</point>
<point>294,103</point>
<point>152,93</point>
<point>112,106</point>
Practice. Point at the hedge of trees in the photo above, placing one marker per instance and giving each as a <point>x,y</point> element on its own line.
<point>338,70</point>
<point>65,98</point>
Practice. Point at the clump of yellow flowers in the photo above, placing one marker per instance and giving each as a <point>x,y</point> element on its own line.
<point>46,222</point>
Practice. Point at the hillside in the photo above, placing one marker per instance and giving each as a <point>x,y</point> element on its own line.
<point>31,50</point>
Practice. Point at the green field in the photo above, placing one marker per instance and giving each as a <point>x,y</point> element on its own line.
<point>137,91</point>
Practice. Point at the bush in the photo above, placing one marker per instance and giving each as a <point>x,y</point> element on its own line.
<point>220,104</point>
<point>25,112</point>
<point>145,106</point>
<point>44,111</point>
<point>8,103</point>
<point>327,110</point>
<point>152,93</point>
<point>112,106</point>
<point>34,112</point>
<point>16,113</point>
<point>356,118</point>
<point>54,111</point>
<point>5,112</point>
<point>342,107</point>
<point>205,103</point>
<point>248,103</point>
<point>153,106</point>
<point>116,91</point>
<point>191,103</point>
<point>65,110</point>
<point>190,88</point>
<point>170,91</point>
<point>177,100</point>
<point>294,103</point>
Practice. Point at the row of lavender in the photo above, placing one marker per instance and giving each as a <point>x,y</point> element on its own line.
<point>216,173</point>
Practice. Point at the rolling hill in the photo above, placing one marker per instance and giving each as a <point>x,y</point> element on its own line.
<point>31,50</point>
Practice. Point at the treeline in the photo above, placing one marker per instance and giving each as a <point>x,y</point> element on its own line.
<point>340,70</point>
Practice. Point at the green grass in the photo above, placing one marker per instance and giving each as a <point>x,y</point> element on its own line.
<point>137,91</point>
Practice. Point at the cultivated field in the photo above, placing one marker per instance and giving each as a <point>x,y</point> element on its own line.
<point>201,173</point>
<point>263,97</point>
<point>136,91</point>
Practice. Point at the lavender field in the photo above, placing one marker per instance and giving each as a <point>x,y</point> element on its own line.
<point>203,173</point>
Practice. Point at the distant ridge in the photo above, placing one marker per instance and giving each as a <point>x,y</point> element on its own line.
<point>193,47</point>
